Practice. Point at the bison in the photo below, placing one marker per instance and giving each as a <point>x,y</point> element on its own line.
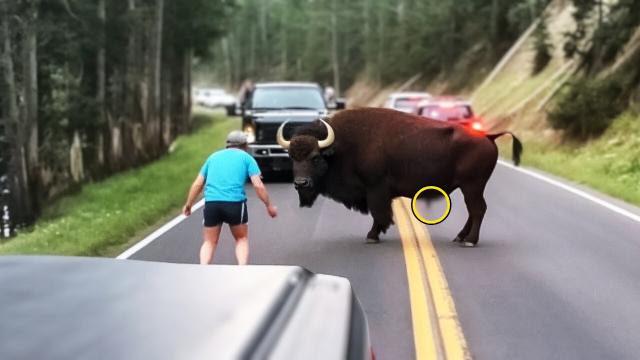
<point>363,158</point>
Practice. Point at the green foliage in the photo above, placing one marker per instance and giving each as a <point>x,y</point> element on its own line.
<point>611,23</point>
<point>542,46</point>
<point>615,31</point>
<point>194,24</point>
<point>583,10</point>
<point>587,107</point>
<point>386,40</point>
<point>610,163</point>
<point>105,215</point>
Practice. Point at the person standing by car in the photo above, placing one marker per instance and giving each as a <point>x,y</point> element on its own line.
<point>222,178</point>
<point>244,95</point>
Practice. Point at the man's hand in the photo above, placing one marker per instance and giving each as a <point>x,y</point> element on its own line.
<point>186,210</point>
<point>194,191</point>
<point>272,210</point>
<point>261,191</point>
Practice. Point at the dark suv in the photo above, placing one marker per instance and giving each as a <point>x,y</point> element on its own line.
<point>271,104</point>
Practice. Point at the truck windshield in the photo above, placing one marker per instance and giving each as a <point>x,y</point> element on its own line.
<point>287,98</point>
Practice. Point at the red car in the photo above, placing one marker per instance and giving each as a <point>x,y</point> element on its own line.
<point>450,109</point>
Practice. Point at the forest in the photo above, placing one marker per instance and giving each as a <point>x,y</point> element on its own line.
<point>383,41</point>
<point>92,87</point>
<point>456,42</point>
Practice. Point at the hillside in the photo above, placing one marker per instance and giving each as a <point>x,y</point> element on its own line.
<point>512,97</point>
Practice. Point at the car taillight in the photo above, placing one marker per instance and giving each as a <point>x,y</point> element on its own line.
<point>476,125</point>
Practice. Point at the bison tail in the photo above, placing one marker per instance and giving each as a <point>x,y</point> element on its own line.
<point>517,145</point>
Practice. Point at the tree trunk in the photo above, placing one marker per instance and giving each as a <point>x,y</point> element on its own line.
<point>30,70</point>
<point>31,80</point>
<point>494,28</point>
<point>284,55</point>
<point>368,43</point>
<point>21,211</point>
<point>252,55</point>
<point>334,47</point>
<point>381,43</point>
<point>133,111</point>
<point>186,90</point>
<point>227,62</point>
<point>154,137</point>
<point>264,33</point>
<point>101,81</point>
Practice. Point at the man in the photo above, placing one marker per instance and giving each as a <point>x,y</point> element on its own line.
<point>223,177</point>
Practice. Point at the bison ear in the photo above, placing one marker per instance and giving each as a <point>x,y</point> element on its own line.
<point>330,151</point>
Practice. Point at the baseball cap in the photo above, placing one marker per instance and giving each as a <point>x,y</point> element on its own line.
<point>236,137</point>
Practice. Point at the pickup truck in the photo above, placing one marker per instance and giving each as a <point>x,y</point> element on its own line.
<point>271,104</point>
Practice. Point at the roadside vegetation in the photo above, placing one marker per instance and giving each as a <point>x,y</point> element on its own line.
<point>103,216</point>
<point>609,163</point>
<point>571,91</point>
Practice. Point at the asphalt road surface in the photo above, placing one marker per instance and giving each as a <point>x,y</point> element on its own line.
<point>555,276</point>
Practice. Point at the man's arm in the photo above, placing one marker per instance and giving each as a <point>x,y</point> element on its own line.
<point>262,193</point>
<point>194,191</point>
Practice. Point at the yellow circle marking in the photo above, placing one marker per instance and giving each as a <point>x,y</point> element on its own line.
<point>416,213</point>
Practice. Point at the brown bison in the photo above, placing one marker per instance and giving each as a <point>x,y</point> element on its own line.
<point>364,158</point>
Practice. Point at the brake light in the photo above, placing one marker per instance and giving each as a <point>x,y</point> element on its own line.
<point>476,126</point>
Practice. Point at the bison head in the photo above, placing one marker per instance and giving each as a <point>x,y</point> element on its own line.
<point>308,149</point>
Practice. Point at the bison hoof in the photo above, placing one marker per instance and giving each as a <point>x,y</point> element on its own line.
<point>372,241</point>
<point>466,244</point>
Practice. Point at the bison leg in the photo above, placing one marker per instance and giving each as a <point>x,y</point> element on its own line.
<point>476,206</point>
<point>380,207</point>
<point>373,236</point>
<point>464,232</point>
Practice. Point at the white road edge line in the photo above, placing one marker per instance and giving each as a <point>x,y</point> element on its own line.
<point>606,204</point>
<point>156,234</point>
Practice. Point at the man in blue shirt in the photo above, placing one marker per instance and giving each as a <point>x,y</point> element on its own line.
<point>223,177</point>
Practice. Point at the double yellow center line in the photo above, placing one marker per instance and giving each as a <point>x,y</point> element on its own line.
<point>436,329</point>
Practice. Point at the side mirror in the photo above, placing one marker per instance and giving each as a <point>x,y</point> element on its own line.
<point>231,109</point>
<point>340,104</point>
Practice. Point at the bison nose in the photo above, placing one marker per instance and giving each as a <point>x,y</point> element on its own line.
<point>301,182</point>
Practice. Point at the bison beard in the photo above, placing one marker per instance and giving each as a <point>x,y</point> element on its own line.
<point>364,158</point>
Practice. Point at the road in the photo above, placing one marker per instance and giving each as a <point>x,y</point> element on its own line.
<point>555,275</point>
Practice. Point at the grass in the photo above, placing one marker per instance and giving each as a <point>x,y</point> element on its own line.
<point>103,217</point>
<point>610,163</point>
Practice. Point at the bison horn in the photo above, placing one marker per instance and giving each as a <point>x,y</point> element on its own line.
<point>330,136</point>
<point>280,137</point>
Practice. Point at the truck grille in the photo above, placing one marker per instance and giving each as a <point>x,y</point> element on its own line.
<point>266,133</point>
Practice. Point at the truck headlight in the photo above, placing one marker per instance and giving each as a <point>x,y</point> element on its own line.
<point>251,133</point>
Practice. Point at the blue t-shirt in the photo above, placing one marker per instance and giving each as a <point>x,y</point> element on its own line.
<point>225,172</point>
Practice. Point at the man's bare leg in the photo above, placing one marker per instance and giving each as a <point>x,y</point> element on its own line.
<point>210,240</point>
<point>240,232</point>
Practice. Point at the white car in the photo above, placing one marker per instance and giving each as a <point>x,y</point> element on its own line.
<point>213,98</point>
<point>406,101</point>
